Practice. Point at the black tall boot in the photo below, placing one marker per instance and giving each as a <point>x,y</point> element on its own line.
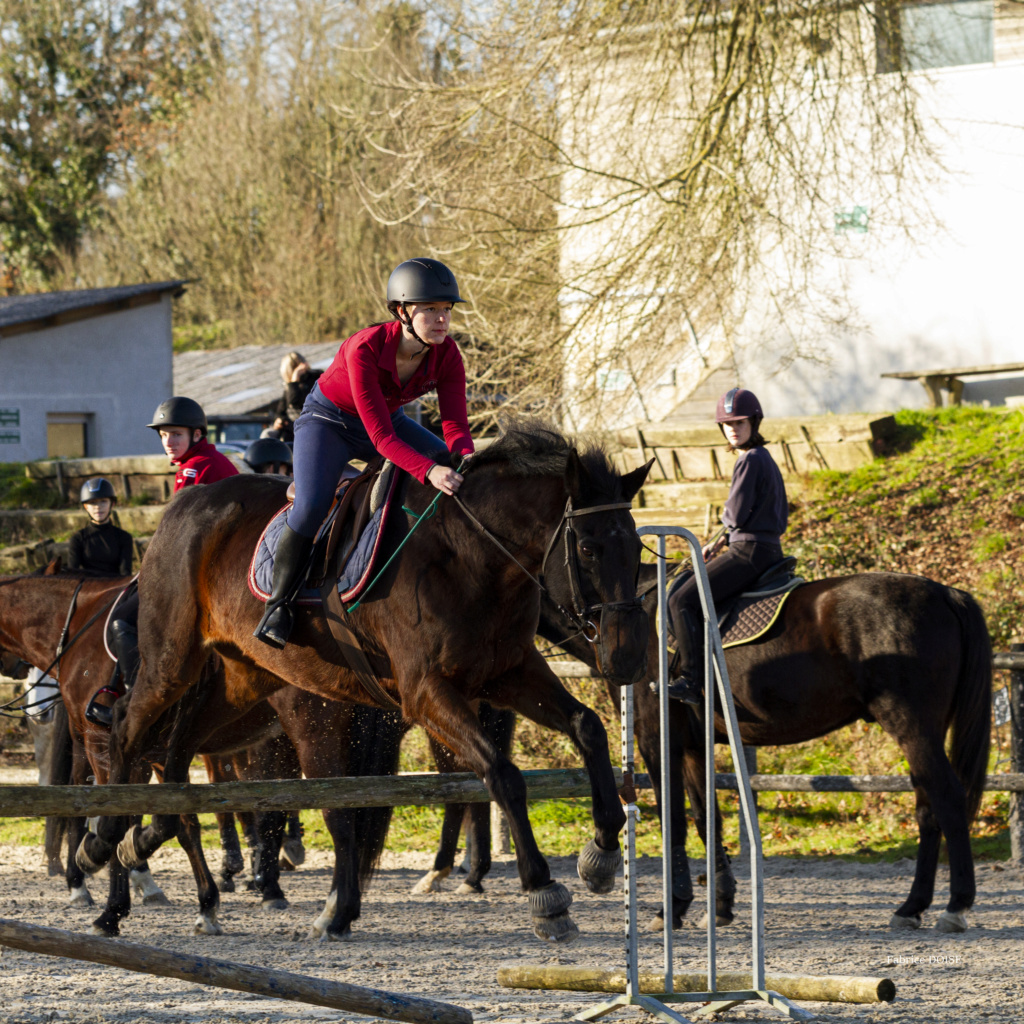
<point>293,552</point>
<point>124,639</point>
<point>689,686</point>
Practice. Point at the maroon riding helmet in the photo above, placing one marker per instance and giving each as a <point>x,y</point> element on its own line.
<point>739,404</point>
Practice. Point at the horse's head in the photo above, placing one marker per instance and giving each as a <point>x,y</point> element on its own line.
<point>12,665</point>
<point>592,566</point>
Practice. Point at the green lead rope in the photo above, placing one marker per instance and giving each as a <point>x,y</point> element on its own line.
<point>426,514</point>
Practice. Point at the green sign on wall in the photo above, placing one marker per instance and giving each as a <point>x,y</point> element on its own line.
<point>10,437</point>
<point>10,417</point>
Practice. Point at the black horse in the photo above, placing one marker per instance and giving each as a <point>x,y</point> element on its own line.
<point>900,650</point>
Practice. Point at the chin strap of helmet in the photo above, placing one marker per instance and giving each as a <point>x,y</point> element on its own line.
<point>407,324</point>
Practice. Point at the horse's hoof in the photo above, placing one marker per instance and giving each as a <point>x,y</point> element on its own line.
<point>126,849</point>
<point>721,920</point>
<point>550,901</point>
<point>656,924</point>
<point>232,864</point>
<point>226,884</point>
<point>294,853</point>
<point>559,928</point>
<point>326,935</point>
<point>55,868</point>
<point>899,922</point>
<point>431,881</point>
<point>104,929</point>
<point>84,861</point>
<point>599,868</point>
<point>206,924</point>
<point>277,903</point>
<point>80,897</point>
<point>470,889</point>
<point>156,899</point>
<point>951,922</point>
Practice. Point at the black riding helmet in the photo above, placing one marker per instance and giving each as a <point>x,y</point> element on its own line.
<point>422,280</point>
<point>267,449</point>
<point>179,412</point>
<point>95,488</point>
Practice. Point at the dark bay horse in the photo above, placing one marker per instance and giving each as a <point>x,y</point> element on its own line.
<point>32,613</point>
<point>900,650</point>
<point>451,623</point>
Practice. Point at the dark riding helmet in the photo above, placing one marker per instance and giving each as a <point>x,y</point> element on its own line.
<point>738,404</point>
<point>95,488</point>
<point>423,280</point>
<point>179,412</point>
<point>267,449</point>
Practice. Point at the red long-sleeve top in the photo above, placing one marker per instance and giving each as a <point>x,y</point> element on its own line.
<point>363,381</point>
<point>202,464</point>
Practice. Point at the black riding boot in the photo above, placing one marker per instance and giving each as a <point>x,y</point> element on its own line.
<point>124,638</point>
<point>289,567</point>
<point>689,686</point>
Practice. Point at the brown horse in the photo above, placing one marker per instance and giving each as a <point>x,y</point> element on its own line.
<point>32,612</point>
<point>900,650</point>
<point>450,623</point>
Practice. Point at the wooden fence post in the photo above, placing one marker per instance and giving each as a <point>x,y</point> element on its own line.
<point>1016,695</point>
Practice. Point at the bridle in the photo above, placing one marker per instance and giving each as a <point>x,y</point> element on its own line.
<point>582,612</point>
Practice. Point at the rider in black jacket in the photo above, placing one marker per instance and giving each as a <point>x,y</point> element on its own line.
<point>101,548</point>
<point>755,517</point>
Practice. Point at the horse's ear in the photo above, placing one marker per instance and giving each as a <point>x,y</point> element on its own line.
<point>576,477</point>
<point>54,567</point>
<point>633,481</point>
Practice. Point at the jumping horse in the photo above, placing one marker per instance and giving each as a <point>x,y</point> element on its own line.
<point>450,623</point>
<point>900,650</point>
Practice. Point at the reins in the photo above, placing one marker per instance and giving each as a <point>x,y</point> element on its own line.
<point>63,646</point>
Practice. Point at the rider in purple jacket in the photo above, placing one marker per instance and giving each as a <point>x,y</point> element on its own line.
<point>755,517</point>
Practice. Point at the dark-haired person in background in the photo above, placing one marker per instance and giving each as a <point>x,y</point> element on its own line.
<point>755,517</point>
<point>100,547</point>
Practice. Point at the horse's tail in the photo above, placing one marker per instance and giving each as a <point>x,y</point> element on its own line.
<point>972,702</point>
<point>377,737</point>
<point>61,757</point>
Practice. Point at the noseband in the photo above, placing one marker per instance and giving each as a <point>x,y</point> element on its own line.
<point>581,613</point>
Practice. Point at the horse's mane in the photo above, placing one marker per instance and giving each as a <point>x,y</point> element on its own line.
<point>532,447</point>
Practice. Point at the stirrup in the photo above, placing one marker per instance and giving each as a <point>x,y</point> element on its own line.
<point>687,690</point>
<point>101,714</point>
<point>276,633</point>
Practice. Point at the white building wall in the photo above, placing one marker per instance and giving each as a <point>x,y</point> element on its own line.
<point>115,367</point>
<point>951,300</point>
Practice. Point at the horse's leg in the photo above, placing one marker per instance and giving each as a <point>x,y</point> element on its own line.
<point>334,924</point>
<point>76,828</point>
<point>266,869</point>
<point>451,827</point>
<point>224,769</point>
<point>444,860</point>
<point>647,725</point>
<point>725,880</point>
<point>941,810</point>
<point>444,712</point>
<point>478,839</point>
<point>190,838</point>
<point>538,694</point>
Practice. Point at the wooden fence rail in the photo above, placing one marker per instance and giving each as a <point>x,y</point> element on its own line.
<point>390,791</point>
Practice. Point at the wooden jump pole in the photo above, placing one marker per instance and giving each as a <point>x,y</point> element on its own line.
<point>837,989</point>
<point>392,791</point>
<point>280,794</point>
<point>224,974</point>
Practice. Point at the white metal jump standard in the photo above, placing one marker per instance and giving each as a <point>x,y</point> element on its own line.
<point>714,670</point>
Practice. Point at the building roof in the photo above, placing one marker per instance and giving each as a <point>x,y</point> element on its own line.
<point>241,381</point>
<point>32,312</point>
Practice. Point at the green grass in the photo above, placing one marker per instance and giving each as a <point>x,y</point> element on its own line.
<point>20,491</point>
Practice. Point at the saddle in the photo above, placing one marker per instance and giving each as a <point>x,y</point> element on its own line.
<point>751,614</point>
<point>343,560</point>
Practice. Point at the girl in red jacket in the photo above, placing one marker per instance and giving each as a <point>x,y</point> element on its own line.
<point>355,412</point>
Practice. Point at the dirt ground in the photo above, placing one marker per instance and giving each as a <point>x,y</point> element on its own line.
<point>823,917</point>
